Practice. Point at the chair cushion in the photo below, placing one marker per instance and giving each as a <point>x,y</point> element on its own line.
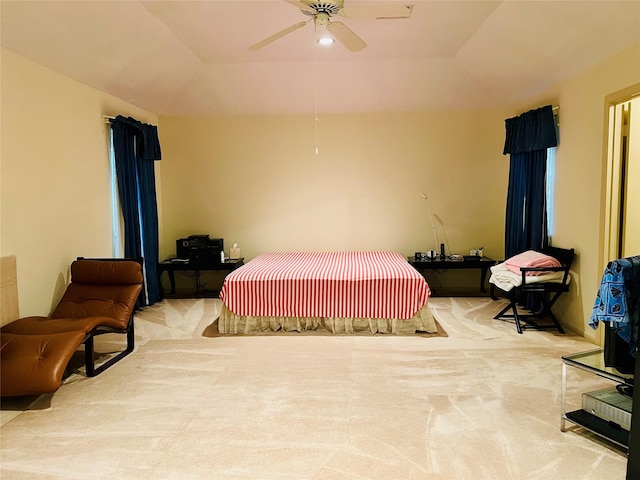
<point>115,301</point>
<point>505,279</point>
<point>34,364</point>
<point>47,326</point>
<point>101,288</point>
<point>105,272</point>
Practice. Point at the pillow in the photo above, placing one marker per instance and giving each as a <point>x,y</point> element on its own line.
<point>531,258</point>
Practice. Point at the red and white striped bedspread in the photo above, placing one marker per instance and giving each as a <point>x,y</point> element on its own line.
<point>326,284</point>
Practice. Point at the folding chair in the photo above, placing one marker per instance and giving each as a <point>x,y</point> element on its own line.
<point>547,292</point>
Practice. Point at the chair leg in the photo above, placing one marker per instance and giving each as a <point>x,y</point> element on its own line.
<point>542,313</point>
<point>513,305</point>
<point>546,310</point>
<point>91,369</point>
<point>497,317</point>
<point>131,338</point>
<point>88,356</point>
<point>529,318</point>
<point>555,321</point>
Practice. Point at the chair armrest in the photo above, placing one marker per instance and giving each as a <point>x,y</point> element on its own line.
<point>562,268</point>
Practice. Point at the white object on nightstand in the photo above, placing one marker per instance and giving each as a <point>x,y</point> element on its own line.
<point>234,252</point>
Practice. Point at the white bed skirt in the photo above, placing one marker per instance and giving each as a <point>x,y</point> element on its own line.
<point>422,321</point>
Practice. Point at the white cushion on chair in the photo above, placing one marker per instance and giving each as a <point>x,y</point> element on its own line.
<point>505,279</point>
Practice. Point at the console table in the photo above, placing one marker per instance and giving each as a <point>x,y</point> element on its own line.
<point>481,263</point>
<point>593,362</point>
<point>171,267</point>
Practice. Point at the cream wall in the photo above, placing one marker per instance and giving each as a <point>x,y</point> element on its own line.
<point>55,187</point>
<point>257,181</point>
<point>580,169</point>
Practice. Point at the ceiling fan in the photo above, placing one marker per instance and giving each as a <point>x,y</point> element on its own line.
<point>322,11</point>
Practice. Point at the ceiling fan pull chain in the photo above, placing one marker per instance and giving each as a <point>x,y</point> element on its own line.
<point>317,121</point>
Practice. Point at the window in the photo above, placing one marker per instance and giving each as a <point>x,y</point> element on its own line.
<point>550,181</point>
<point>550,189</point>
<point>116,216</point>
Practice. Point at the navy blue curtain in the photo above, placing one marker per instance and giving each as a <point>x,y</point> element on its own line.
<point>527,138</point>
<point>136,146</point>
<point>526,222</point>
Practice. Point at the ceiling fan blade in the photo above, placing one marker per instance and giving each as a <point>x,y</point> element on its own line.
<point>377,11</point>
<point>276,36</point>
<point>346,36</point>
<point>302,6</point>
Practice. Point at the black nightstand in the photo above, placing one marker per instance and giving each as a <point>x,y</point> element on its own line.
<point>171,266</point>
<point>481,263</point>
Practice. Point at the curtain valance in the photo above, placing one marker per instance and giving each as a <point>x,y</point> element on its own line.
<point>148,146</point>
<point>531,131</point>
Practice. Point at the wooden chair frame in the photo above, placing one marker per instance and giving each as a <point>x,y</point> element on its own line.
<point>91,370</point>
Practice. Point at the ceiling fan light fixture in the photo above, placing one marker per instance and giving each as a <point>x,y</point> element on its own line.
<point>325,40</point>
<point>323,37</point>
<point>321,11</point>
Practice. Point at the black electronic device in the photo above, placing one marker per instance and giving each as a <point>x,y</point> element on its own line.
<point>182,248</point>
<point>200,249</point>
<point>198,241</point>
<point>617,352</point>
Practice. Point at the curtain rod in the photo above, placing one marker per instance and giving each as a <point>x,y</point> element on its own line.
<point>106,118</point>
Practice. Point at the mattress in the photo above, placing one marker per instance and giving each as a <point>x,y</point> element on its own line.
<point>327,285</point>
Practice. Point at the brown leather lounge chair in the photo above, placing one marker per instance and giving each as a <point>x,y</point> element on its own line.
<point>100,299</point>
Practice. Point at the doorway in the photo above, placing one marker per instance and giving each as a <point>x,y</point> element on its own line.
<point>622,214</point>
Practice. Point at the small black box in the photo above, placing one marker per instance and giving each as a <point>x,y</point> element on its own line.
<point>182,248</point>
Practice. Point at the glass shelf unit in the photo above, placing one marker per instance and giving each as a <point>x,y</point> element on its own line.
<point>592,361</point>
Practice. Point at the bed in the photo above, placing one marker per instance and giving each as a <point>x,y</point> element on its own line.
<point>339,292</point>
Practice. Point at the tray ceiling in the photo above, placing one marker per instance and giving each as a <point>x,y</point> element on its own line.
<point>192,57</point>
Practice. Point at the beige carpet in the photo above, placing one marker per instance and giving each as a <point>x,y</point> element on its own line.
<point>480,402</point>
